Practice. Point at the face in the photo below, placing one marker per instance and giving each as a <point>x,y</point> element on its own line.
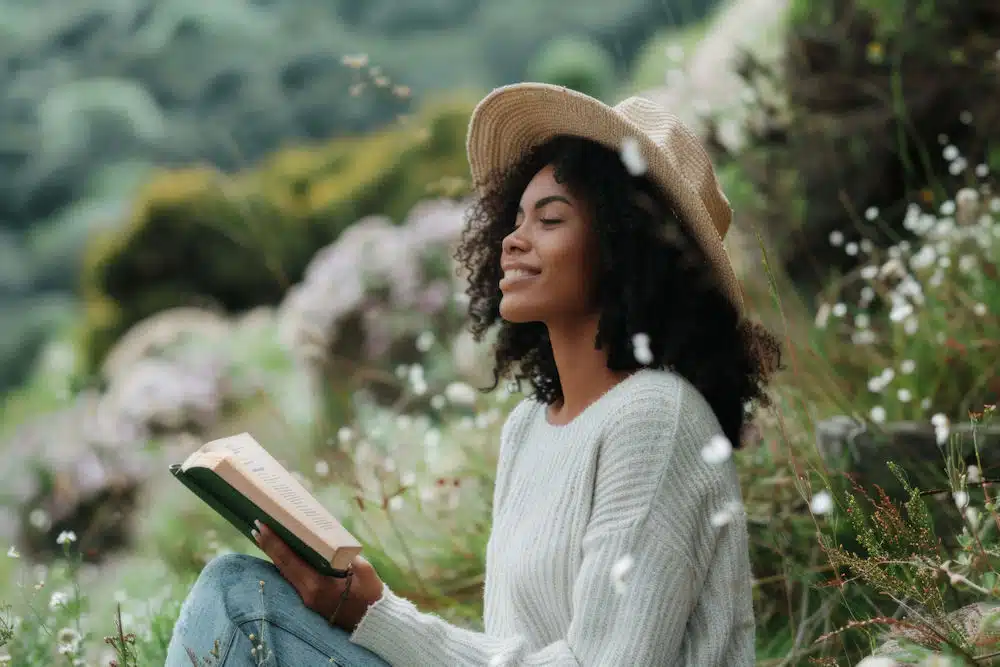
<point>548,259</point>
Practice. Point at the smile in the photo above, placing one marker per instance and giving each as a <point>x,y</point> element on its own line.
<point>515,276</point>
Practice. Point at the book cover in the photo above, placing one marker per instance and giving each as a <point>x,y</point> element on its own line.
<point>241,512</point>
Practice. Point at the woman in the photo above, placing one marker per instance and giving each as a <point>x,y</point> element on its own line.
<point>617,535</point>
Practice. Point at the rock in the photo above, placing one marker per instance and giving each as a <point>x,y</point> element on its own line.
<point>978,624</point>
<point>864,450</point>
<point>61,474</point>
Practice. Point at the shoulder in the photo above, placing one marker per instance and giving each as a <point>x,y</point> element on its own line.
<point>661,404</point>
<point>519,418</point>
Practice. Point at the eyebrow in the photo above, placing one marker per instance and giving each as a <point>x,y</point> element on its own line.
<point>547,200</point>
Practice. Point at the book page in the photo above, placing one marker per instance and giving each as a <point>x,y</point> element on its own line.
<point>271,475</point>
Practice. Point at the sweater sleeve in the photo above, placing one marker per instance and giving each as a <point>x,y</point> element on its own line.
<point>641,574</point>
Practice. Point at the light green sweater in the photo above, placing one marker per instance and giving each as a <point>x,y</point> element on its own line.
<point>614,542</point>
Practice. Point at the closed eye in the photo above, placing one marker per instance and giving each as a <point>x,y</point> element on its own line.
<point>550,221</point>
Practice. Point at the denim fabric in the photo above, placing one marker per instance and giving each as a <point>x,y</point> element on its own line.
<point>227,604</point>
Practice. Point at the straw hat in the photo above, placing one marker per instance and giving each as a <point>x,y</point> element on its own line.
<point>513,119</point>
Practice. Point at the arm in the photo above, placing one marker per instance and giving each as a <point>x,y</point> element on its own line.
<point>652,501</point>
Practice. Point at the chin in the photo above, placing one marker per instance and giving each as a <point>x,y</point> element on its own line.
<point>518,313</point>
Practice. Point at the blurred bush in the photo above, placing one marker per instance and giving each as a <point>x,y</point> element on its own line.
<point>577,63</point>
<point>866,113</point>
<point>199,238</point>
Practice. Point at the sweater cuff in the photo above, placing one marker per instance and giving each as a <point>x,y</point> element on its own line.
<point>383,629</point>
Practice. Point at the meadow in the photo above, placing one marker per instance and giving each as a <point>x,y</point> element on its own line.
<point>877,545</point>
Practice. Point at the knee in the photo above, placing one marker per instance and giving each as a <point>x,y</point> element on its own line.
<point>231,571</point>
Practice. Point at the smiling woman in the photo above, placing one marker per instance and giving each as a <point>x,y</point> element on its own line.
<point>618,536</point>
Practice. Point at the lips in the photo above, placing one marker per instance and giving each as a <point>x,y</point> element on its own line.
<point>516,275</point>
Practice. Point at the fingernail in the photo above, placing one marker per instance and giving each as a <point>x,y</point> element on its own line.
<point>256,522</point>
<point>255,534</point>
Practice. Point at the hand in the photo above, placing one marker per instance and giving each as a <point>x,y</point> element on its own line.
<point>319,592</point>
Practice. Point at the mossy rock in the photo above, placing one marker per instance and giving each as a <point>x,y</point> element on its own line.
<point>198,237</point>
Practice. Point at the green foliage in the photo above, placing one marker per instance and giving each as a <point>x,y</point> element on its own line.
<point>576,63</point>
<point>197,237</point>
<point>657,55</point>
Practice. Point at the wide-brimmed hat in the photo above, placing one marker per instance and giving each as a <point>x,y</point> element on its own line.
<point>513,119</point>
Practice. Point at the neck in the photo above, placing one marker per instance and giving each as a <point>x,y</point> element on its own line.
<point>583,370</point>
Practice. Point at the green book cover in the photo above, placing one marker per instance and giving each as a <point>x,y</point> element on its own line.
<point>241,512</point>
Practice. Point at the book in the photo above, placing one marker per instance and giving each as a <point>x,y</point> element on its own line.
<point>242,482</point>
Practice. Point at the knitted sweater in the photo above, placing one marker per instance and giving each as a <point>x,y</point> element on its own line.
<point>613,543</point>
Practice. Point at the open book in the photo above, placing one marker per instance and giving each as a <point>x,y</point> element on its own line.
<point>237,478</point>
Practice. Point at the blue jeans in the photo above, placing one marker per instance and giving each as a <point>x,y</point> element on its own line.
<point>228,605</point>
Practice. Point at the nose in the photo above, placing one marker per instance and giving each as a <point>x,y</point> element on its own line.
<point>516,241</point>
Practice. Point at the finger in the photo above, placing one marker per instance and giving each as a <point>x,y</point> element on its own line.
<point>293,568</point>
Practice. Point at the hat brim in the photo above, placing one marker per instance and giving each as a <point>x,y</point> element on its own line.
<point>514,119</point>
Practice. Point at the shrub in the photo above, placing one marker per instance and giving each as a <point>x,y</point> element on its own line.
<point>201,238</point>
<point>576,63</point>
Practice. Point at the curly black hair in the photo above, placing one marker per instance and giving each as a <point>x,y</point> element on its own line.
<point>653,278</point>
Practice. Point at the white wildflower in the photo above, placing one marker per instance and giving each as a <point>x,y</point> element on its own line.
<point>726,514</point>
<point>901,310</point>
<point>632,158</point>
<point>438,402</point>
<point>982,170</point>
<point>877,661</point>
<point>979,309</point>
<point>961,499</point>
<point>13,553</point>
<point>869,272</point>
<point>718,450</point>
<point>344,435</point>
<point>904,395</point>
<point>396,503</point>
<point>66,537</point>
<point>965,117</point>
<point>460,393</point>
<point>839,309</point>
<point>408,478</point>
<point>821,503</point>
<point>942,428</point>
<point>425,341</point>
<point>500,660</point>
<point>973,475</point>
<point>871,213</point>
<point>620,570</point>
<point>950,152</point>
<point>907,366</point>
<point>640,349</point>
<point>58,599</point>
<point>851,248</point>
<point>39,519</point>
<point>322,468</point>
<point>836,238</point>
<point>877,414</point>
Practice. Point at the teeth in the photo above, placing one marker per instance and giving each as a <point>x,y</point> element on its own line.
<point>517,273</point>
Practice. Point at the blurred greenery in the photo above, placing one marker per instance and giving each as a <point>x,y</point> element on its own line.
<point>901,324</point>
<point>94,98</point>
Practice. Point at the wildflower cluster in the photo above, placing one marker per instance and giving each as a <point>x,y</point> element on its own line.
<point>923,312</point>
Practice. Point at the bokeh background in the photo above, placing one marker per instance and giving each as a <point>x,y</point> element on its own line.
<point>239,215</point>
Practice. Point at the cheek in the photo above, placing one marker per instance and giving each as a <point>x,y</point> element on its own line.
<point>575,275</point>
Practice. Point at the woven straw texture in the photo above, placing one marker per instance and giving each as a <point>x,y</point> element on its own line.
<point>511,120</point>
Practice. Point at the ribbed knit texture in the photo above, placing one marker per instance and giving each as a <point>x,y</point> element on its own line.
<point>625,479</point>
